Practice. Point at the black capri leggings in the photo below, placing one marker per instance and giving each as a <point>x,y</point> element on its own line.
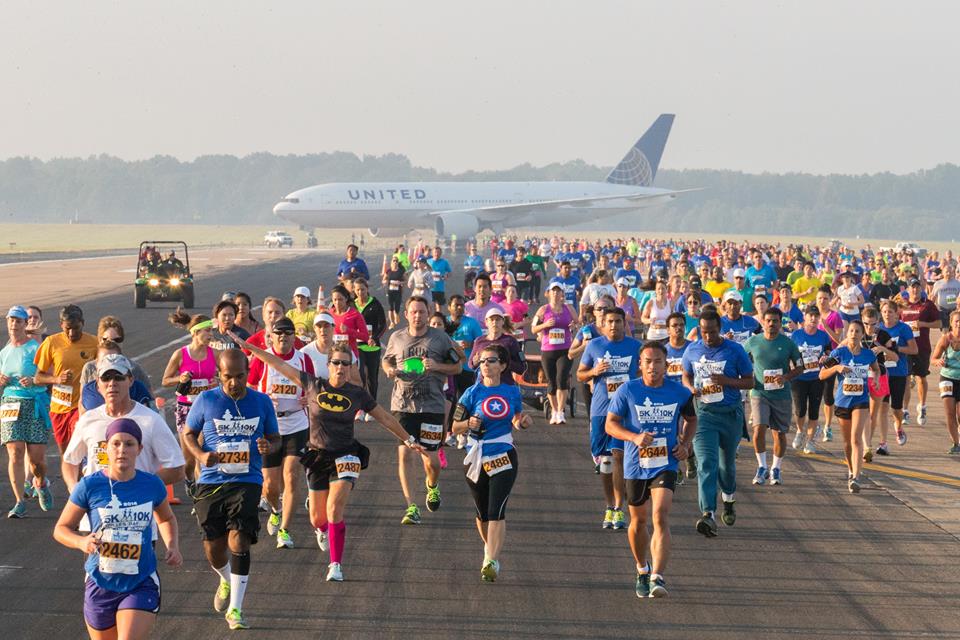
<point>829,387</point>
<point>490,493</point>
<point>370,371</point>
<point>898,388</point>
<point>395,300</point>
<point>556,366</point>
<point>807,395</point>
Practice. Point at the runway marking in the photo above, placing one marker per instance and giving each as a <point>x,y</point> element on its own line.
<point>18,264</point>
<point>894,471</point>
<point>134,270</point>
<point>240,259</point>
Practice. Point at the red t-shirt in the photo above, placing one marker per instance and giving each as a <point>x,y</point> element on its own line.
<point>923,311</point>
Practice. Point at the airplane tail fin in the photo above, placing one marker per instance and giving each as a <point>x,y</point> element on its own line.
<point>639,166</point>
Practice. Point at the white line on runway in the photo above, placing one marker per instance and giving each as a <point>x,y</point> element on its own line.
<point>127,270</point>
<point>240,259</point>
<point>18,264</point>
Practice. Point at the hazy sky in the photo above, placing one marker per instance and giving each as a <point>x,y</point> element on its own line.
<point>835,86</point>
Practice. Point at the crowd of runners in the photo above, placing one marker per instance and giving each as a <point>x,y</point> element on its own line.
<point>681,351</point>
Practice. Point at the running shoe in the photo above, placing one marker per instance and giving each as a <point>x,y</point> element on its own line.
<point>451,440</point>
<point>818,432</point>
<point>761,477</point>
<point>608,518</point>
<point>561,418</point>
<point>853,485</point>
<point>643,585</point>
<point>442,457</point>
<point>902,436</point>
<point>19,510</point>
<point>222,597</point>
<point>706,525</point>
<point>29,492</point>
<point>798,440</point>
<point>679,481</point>
<point>619,520</point>
<point>490,571</point>
<point>358,416</point>
<point>461,441</point>
<point>828,434</point>
<point>284,541</point>
<point>235,620</point>
<point>367,417</point>
<point>433,498</point>
<point>264,505</point>
<point>412,516</point>
<point>906,415</point>
<point>273,523</point>
<point>729,515</point>
<point>868,456</point>
<point>322,540</point>
<point>775,476</point>
<point>658,587</point>
<point>882,449</point>
<point>921,414</point>
<point>334,573</point>
<point>954,450</point>
<point>810,447</point>
<point>45,497</point>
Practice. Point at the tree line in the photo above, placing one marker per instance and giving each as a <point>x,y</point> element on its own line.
<point>224,189</point>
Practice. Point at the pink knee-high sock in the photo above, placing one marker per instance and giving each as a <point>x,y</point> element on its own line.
<point>324,526</point>
<point>338,535</point>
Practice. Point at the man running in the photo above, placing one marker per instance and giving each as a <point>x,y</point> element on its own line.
<point>352,267</point>
<point>921,315</point>
<point>440,270</point>
<point>418,359</point>
<point>481,303</point>
<point>239,426</point>
<point>645,415</point>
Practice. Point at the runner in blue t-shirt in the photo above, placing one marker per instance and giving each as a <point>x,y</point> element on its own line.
<point>852,364</point>
<point>645,414</point>
<point>239,426</point>
<point>807,389</point>
<point>122,592</point>
<point>609,361</point>
<point>570,284</point>
<point>761,276</point>
<point>487,413</point>
<point>441,270</point>
<point>716,370</point>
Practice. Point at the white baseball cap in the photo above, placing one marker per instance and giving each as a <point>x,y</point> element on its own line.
<point>739,273</point>
<point>302,291</point>
<point>323,317</point>
<point>733,295</point>
<point>493,313</point>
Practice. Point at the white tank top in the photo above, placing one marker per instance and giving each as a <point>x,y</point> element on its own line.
<point>286,396</point>
<point>658,320</point>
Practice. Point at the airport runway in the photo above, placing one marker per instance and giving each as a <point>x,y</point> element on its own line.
<point>805,560</point>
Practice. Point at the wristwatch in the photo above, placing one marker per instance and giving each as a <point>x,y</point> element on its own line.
<point>410,441</point>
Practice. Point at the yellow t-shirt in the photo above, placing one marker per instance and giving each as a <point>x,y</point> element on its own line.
<point>302,321</point>
<point>57,355</point>
<point>802,284</point>
<point>716,289</point>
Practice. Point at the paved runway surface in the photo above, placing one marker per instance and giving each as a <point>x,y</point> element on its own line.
<point>805,560</point>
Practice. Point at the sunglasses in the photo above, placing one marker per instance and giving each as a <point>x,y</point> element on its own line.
<point>118,339</point>
<point>283,332</point>
<point>112,376</point>
<point>341,363</point>
<point>490,360</point>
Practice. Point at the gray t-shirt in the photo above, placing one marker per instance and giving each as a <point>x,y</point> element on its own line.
<point>945,293</point>
<point>413,392</point>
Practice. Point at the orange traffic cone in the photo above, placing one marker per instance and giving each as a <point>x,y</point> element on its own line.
<point>172,499</point>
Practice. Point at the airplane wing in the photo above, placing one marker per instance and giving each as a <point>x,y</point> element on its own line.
<point>502,212</point>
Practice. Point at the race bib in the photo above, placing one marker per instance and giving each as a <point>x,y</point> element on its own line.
<point>431,434</point>
<point>853,386</point>
<point>760,290</point>
<point>9,411</point>
<point>770,379</point>
<point>946,388</point>
<point>915,327</point>
<point>437,277</point>
<point>950,300</point>
<point>394,285</point>
<point>234,457</point>
<point>674,367</point>
<point>62,395</point>
<point>199,385</point>
<point>120,551</point>
<point>657,331</point>
<point>518,334</point>
<point>811,362</point>
<point>613,383</point>
<point>370,330</point>
<point>347,467</point>
<point>340,337</point>
<point>654,455</point>
<point>493,465</point>
<point>497,286</point>
<point>710,392</point>
<point>100,458</point>
<point>556,336</point>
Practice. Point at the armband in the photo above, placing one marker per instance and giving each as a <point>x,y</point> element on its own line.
<point>460,413</point>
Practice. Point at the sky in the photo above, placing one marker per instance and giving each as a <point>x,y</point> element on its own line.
<point>757,86</point>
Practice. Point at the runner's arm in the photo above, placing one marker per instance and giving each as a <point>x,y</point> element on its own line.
<point>614,428</point>
<point>171,475</point>
<point>170,532</point>
<point>172,375</point>
<point>279,364</point>
<point>65,531</point>
<point>937,356</point>
<point>388,422</point>
<point>206,458</point>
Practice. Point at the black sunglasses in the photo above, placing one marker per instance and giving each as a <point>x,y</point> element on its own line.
<point>490,360</point>
<point>112,376</point>
<point>283,332</point>
<point>118,339</point>
<point>341,363</point>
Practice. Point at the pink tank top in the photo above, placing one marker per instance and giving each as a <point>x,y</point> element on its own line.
<point>204,374</point>
<point>557,337</point>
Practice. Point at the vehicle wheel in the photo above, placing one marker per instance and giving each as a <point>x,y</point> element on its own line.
<point>140,296</point>
<point>188,297</point>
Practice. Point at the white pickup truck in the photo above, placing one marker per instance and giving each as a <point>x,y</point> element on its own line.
<point>911,247</point>
<point>278,239</point>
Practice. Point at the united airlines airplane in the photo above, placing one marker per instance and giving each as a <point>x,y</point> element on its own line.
<point>465,208</point>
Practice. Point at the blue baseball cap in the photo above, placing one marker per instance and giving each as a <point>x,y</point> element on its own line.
<point>17,311</point>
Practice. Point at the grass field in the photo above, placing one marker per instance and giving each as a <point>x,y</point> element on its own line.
<point>32,238</point>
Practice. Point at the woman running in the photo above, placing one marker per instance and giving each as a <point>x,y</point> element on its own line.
<point>122,591</point>
<point>224,320</point>
<point>629,306</point>
<point>555,323</point>
<point>393,280</point>
<point>655,312</point>
<point>245,319</point>
<point>488,412</point>
<point>499,332</point>
<point>334,458</point>
<point>376,320</point>
<point>348,325</point>
<point>947,356</point>
<point>851,363</point>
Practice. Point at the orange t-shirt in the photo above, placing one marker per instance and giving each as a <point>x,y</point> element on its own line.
<point>57,355</point>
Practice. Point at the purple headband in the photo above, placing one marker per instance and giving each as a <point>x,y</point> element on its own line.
<point>125,425</point>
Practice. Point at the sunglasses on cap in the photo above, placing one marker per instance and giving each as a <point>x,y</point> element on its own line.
<point>490,360</point>
<point>341,363</point>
